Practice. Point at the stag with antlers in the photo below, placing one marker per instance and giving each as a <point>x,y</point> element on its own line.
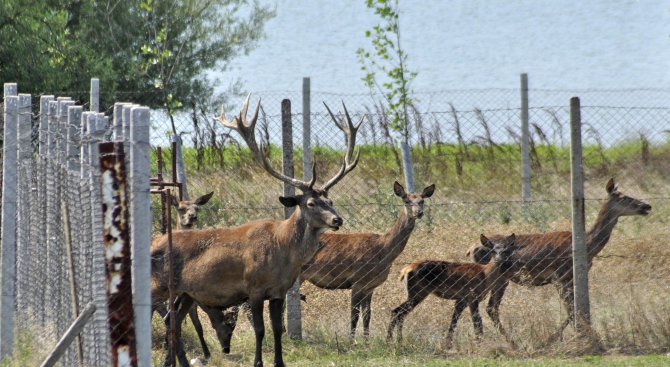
<point>254,262</point>
<point>547,257</point>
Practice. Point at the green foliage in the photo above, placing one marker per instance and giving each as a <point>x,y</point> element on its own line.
<point>385,66</point>
<point>158,51</point>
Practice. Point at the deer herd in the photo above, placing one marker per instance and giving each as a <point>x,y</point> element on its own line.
<point>220,269</point>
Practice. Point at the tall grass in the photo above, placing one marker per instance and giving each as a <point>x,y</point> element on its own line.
<point>629,280</point>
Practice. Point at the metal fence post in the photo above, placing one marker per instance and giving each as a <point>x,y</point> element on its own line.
<point>8,237</point>
<point>293,319</point>
<point>116,238</point>
<point>525,144</point>
<point>95,95</point>
<point>580,264</point>
<point>140,229</point>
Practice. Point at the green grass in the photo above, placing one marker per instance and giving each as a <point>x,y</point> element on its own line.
<point>316,351</point>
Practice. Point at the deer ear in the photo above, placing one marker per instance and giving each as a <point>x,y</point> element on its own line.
<point>611,186</point>
<point>288,201</point>
<point>485,241</point>
<point>509,241</point>
<point>428,191</point>
<point>204,199</point>
<point>399,190</point>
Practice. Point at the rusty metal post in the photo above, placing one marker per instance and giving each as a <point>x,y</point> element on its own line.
<point>159,175</point>
<point>167,196</point>
<point>116,239</point>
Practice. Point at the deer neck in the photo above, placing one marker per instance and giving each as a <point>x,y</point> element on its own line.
<point>300,236</point>
<point>396,238</point>
<point>600,233</point>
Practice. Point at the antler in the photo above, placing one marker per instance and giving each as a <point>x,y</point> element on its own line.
<point>349,129</point>
<point>246,130</point>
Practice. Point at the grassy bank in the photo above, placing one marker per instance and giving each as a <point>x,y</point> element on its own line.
<point>478,189</point>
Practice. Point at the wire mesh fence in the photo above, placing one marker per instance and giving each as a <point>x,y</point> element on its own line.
<point>55,266</point>
<point>468,144</point>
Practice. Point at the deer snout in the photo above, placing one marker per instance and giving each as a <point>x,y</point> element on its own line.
<point>337,223</point>
<point>645,209</point>
<point>186,223</point>
<point>419,213</point>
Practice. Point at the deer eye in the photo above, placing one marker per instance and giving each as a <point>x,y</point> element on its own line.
<point>310,203</point>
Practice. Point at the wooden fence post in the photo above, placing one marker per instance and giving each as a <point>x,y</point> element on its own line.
<point>525,145</point>
<point>306,129</point>
<point>293,317</point>
<point>580,265</point>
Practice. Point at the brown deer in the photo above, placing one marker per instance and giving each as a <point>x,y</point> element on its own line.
<point>187,217</point>
<point>257,261</point>
<point>362,261</point>
<point>188,210</point>
<point>466,283</point>
<point>547,257</point>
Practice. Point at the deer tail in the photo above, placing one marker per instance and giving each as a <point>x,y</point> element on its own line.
<point>407,271</point>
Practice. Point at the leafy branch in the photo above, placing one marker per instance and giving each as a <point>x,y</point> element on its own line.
<point>385,65</point>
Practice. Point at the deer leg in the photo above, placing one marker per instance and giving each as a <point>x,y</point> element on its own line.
<point>224,331</point>
<point>195,320</point>
<point>185,303</point>
<point>259,328</point>
<point>567,295</point>
<point>366,308</point>
<point>458,310</point>
<point>356,301</point>
<point>493,306</point>
<point>493,310</point>
<point>399,313</point>
<point>276,312</point>
<point>476,318</point>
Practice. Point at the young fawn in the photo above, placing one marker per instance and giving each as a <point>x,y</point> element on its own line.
<point>466,283</point>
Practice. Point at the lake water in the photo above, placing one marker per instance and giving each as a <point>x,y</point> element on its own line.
<point>469,54</point>
<point>466,44</point>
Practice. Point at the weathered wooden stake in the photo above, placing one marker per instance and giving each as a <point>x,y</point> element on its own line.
<point>580,262</point>
<point>293,312</point>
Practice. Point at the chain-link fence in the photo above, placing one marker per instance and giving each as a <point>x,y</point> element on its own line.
<point>468,144</point>
<point>61,252</point>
